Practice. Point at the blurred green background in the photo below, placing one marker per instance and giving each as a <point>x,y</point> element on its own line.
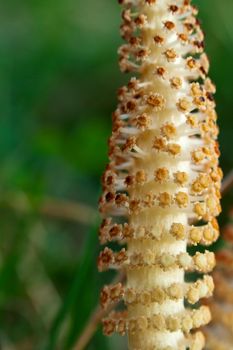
<point>58,82</point>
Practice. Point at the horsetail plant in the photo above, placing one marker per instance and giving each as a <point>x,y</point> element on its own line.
<point>161,188</point>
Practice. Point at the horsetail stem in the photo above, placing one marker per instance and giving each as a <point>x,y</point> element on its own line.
<point>161,188</point>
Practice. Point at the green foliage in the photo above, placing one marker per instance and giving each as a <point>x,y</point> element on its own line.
<point>78,291</point>
<point>58,81</point>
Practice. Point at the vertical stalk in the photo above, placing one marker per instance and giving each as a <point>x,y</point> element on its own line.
<point>161,187</point>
